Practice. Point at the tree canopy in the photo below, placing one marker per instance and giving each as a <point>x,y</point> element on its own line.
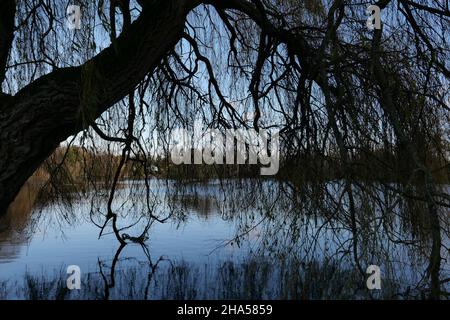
<point>375,101</point>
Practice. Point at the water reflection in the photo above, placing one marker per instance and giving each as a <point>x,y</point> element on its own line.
<point>225,240</point>
<point>13,225</point>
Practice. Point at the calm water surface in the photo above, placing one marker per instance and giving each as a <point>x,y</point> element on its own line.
<point>220,242</point>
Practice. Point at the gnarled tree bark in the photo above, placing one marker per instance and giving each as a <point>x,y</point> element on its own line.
<point>66,101</point>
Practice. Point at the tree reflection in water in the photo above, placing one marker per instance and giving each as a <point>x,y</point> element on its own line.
<point>296,242</point>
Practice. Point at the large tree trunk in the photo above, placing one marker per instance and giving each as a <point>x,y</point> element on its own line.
<point>68,100</point>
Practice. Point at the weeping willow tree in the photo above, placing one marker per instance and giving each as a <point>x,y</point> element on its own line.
<point>369,108</point>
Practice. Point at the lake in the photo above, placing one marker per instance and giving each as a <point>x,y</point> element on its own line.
<point>230,239</point>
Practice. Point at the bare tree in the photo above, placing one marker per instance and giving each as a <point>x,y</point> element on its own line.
<point>373,105</point>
